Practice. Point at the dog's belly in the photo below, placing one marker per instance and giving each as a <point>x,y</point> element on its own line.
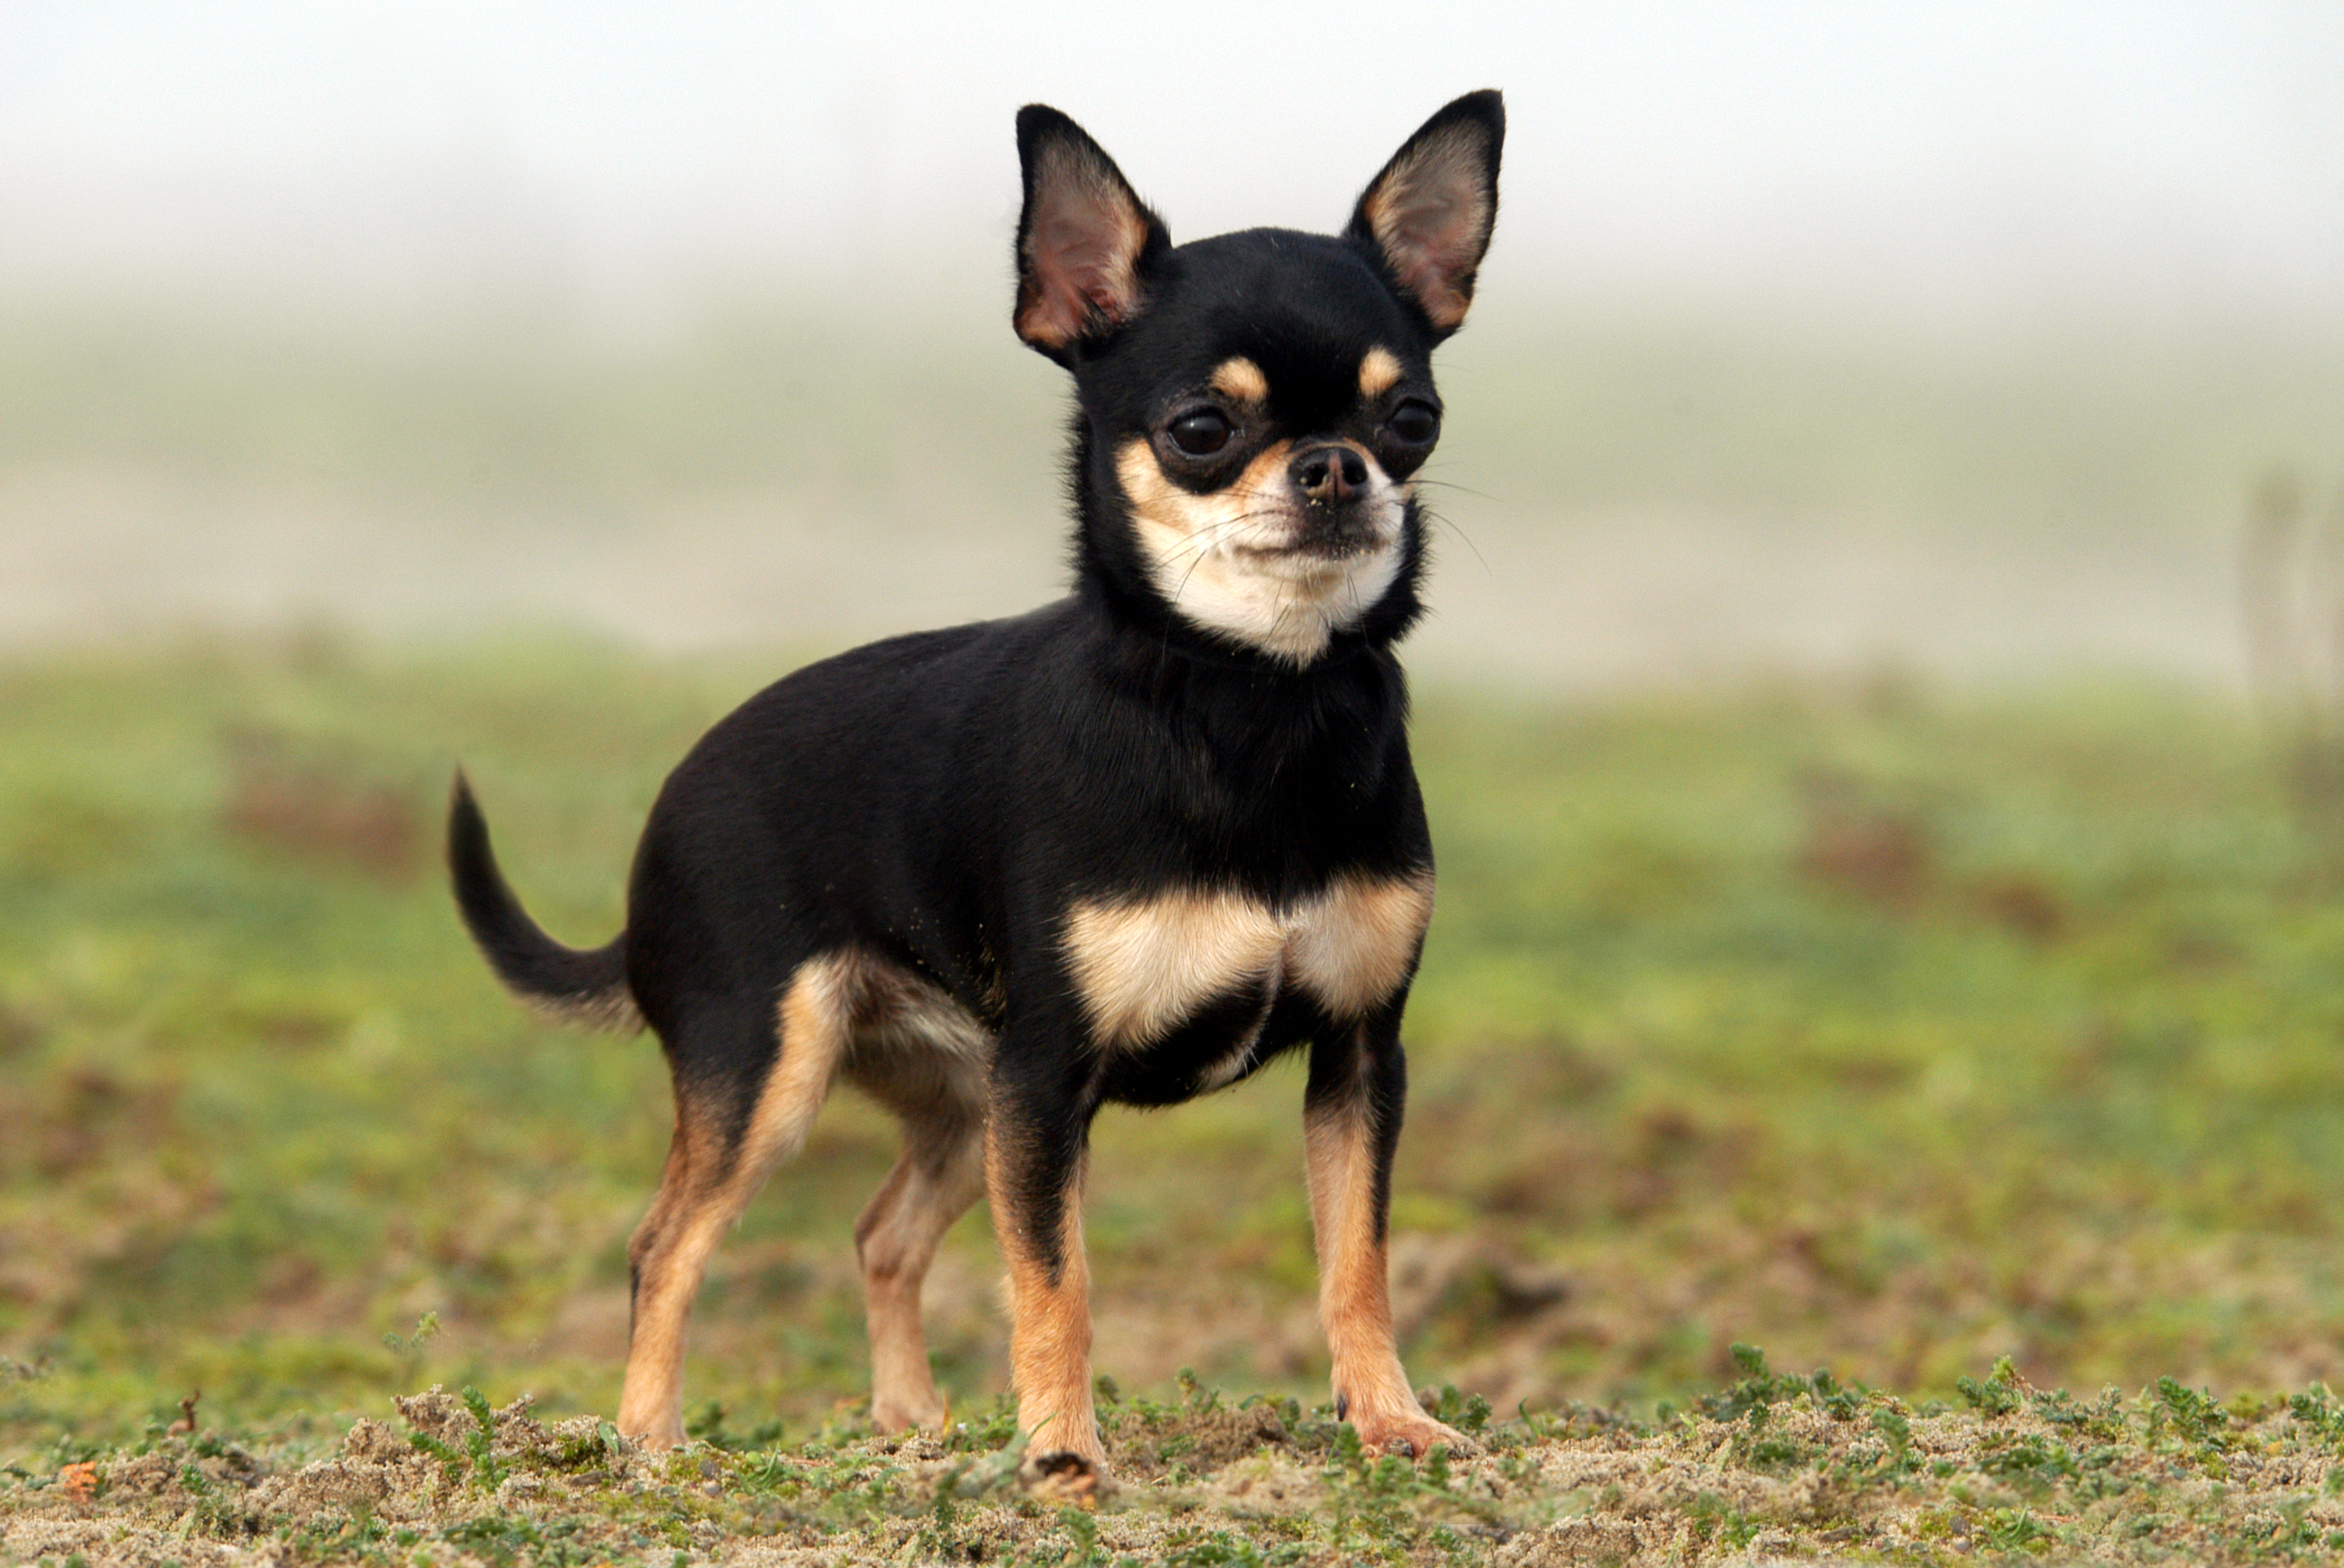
<point>1202,986</point>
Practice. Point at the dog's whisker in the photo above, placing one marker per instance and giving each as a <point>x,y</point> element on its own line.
<point>1431,516</point>
<point>1459,489</point>
<point>1208,538</point>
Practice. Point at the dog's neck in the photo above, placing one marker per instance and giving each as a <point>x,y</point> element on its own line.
<point>1269,734</point>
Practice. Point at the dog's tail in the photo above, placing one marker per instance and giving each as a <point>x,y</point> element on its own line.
<point>578,986</point>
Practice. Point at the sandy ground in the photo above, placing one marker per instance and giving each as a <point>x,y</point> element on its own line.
<point>1764,1472</point>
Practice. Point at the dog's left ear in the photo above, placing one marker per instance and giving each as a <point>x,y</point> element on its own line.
<point>1083,238</point>
<point>1429,214</point>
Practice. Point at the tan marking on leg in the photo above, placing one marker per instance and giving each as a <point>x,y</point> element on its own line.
<point>1241,379</point>
<point>895,1241</point>
<point>651,1406</point>
<point>1380,372</point>
<point>1050,1326</point>
<point>1143,966</point>
<point>1352,946</point>
<point>699,1196</point>
<point>1355,1284</point>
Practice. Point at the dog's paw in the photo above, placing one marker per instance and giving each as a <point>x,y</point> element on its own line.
<point>894,1413</point>
<point>1063,1477</point>
<point>657,1437</point>
<point>1410,1436</point>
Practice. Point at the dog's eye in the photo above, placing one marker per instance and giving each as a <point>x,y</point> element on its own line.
<point>1418,424</point>
<point>1201,433</point>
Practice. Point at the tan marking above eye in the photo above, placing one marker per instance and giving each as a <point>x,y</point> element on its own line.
<point>1241,379</point>
<point>1380,372</point>
<point>1145,967</point>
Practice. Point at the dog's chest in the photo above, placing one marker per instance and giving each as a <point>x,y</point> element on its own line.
<point>1146,967</point>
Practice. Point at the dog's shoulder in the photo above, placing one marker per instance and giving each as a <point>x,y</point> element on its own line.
<point>860,688</point>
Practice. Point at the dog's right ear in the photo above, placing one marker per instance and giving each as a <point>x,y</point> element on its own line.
<point>1429,214</point>
<point>1083,238</point>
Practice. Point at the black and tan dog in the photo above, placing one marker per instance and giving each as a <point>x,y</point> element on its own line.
<point>1128,847</point>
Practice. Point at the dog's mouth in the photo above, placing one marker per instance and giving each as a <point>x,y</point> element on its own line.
<point>1319,536</point>
<point>1349,544</point>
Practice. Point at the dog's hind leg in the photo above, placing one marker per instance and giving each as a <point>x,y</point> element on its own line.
<point>920,1055</point>
<point>716,1163</point>
<point>939,1175</point>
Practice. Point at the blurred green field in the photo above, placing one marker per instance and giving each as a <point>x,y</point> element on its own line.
<point>1893,1028</point>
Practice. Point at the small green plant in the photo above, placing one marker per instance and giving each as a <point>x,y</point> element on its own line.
<point>424,1442</point>
<point>1194,1395</point>
<point>989,1433</point>
<point>478,1460</point>
<point>1896,1429</point>
<point>213,1512</point>
<point>2016,1530</point>
<point>2102,1419</point>
<point>1082,1533</point>
<point>708,1425</point>
<point>410,1348</point>
<point>2191,1413</point>
<point>505,1540</point>
<point>1997,1396</point>
<point>2029,1462</point>
<point>591,1452</point>
<point>487,1472</point>
<point>1713,1520</point>
<point>1758,1388</point>
<point>2314,1409</point>
<point>1466,1413</point>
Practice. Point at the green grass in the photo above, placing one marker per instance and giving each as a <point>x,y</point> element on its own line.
<point>1896,1030</point>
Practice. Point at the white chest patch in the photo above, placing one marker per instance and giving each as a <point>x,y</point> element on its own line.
<point>1145,966</point>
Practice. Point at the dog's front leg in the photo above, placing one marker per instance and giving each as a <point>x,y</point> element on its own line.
<point>1351,1116</point>
<point>1037,1144</point>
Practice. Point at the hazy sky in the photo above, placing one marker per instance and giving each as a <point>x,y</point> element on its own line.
<point>2154,158</point>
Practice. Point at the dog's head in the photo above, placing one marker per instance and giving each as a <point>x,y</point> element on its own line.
<point>1253,407</point>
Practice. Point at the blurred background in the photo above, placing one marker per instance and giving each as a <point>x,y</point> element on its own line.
<point>1879,703</point>
<point>1816,336</point>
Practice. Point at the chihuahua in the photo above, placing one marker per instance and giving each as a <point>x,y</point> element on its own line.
<point>1128,847</point>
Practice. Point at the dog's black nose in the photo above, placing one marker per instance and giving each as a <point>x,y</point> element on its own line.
<point>1329,474</point>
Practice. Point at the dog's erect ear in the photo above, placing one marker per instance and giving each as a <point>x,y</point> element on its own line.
<point>1429,214</point>
<point>1082,238</point>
